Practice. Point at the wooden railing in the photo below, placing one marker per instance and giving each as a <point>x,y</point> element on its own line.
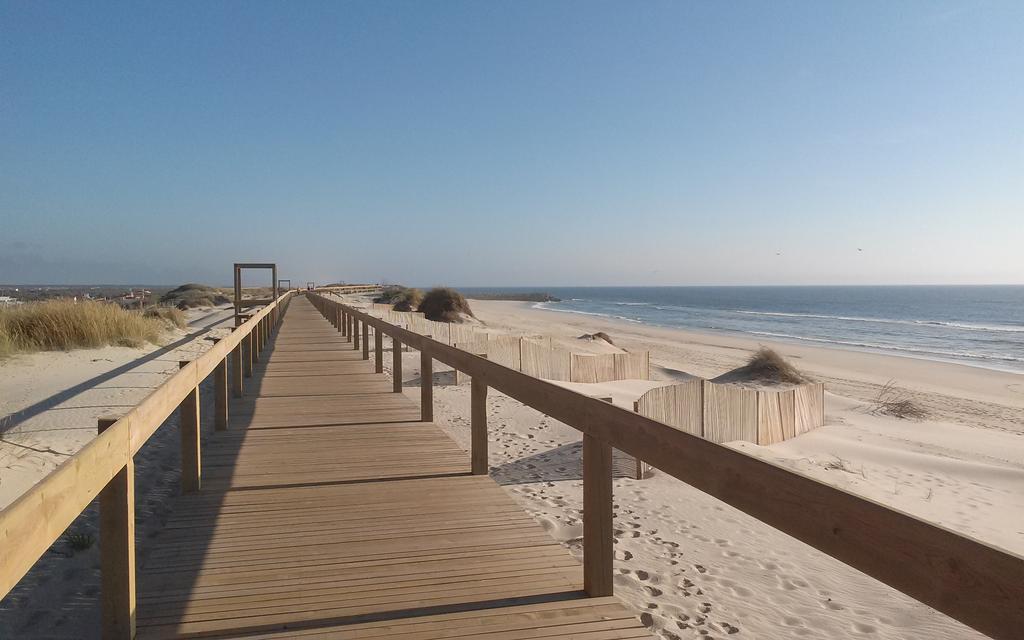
<point>973,582</point>
<point>104,469</point>
<point>351,289</point>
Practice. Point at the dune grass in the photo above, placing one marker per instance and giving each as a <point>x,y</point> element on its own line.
<point>768,365</point>
<point>400,298</point>
<point>58,325</point>
<point>443,304</point>
<point>191,295</point>
<point>600,335</point>
<point>173,316</point>
<point>895,402</point>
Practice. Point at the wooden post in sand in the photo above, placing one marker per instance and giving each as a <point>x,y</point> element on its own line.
<point>478,426</point>
<point>247,356</point>
<point>188,416</point>
<point>220,394</point>
<point>378,350</point>
<point>256,342</point>
<point>366,341</point>
<point>236,371</point>
<point>117,550</point>
<point>396,365</point>
<point>426,385</point>
<point>642,468</point>
<point>597,517</point>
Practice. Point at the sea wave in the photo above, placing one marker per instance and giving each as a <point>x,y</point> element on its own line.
<point>871,345</point>
<point>956,325</point>
<point>540,305</point>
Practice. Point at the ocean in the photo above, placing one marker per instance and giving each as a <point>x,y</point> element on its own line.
<point>981,326</point>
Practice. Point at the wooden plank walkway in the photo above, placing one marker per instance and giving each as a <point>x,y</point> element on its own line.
<point>330,511</point>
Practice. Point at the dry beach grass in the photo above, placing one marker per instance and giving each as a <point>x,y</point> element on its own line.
<point>57,325</point>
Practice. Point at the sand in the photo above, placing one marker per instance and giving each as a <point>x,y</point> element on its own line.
<point>689,565</point>
<point>693,567</point>
<point>50,402</point>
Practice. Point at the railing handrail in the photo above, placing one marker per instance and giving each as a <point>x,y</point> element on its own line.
<point>33,522</point>
<point>967,579</point>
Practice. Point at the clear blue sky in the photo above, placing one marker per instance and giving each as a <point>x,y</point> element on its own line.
<point>513,143</point>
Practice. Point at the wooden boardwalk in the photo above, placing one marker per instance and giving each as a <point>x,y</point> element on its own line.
<point>329,510</point>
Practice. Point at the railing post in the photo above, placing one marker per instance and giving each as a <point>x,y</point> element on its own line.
<point>597,517</point>
<point>348,325</point>
<point>344,322</point>
<point>220,394</point>
<point>236,370</point>
<point>337,320</point>
<point>426,384</point>
<point>478,426</point>
<point>117,550</point>
<point>366,340</point>
<point>396,365</point>
<point>378,350</point>
<point>355,334</point>
<point>247,356</point>
<point>255,333</point>
<point>188,416</point>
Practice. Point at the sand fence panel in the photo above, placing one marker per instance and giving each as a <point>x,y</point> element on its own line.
<point>505,350</point>
<point>809,407</point>
<point>463,334</point>
<point>442,331</point>
<point>678,405</point>
<point>632,366</point>
<point>539,360</point>
<point>592,368</point>
<point>776,416</point>
<point>730,413</point>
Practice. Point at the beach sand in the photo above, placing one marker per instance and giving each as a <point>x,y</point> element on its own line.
<point>689,565</point>
<point>50,402</point>
<point>693,567</point>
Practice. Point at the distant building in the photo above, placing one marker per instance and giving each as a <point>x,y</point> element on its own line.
<point>8,300</point>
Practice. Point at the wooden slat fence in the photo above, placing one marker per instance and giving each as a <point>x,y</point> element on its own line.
<point>533,355</point>
<point>678,405</point>
<point>725,412</point>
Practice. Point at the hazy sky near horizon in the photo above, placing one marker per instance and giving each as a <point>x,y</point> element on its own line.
<point>513,143</point>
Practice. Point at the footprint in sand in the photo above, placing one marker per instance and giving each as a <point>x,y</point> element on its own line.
<point>728,628</point>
